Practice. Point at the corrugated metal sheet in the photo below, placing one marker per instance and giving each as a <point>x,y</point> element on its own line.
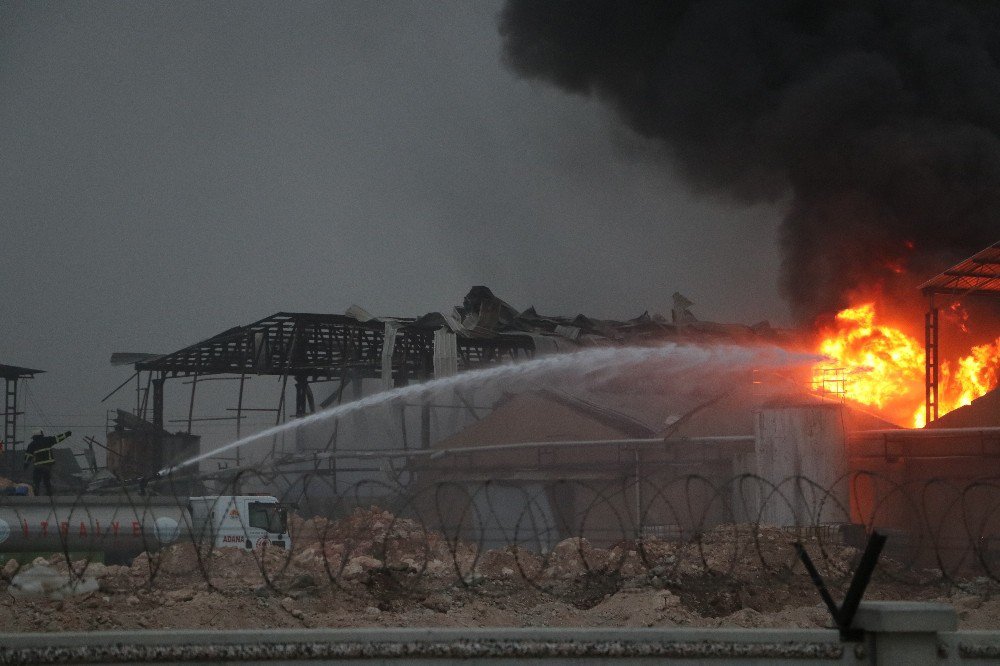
<point>389,343</point>
<point>445,353</point>
<point>980,273</point>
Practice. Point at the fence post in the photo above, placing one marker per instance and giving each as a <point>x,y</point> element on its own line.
<point>904,632</point>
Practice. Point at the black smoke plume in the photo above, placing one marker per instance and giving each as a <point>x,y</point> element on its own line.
<point>880,119</point>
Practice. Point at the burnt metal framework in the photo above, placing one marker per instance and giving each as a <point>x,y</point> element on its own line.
<point>313,348</point>
<point>979,275</point>
<point>11,374</point>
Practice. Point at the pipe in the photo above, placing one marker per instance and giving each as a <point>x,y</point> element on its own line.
<point>924,432</point>
<point>440,453</point>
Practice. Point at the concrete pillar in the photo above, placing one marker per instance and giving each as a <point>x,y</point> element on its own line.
<point>801,450</point>
<point>904,632</point>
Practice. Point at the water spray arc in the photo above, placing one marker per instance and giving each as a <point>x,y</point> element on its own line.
<point>576,365</point>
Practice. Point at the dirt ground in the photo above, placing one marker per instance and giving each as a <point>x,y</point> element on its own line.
<point>372,569</point>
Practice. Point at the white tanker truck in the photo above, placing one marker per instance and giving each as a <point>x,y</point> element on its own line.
<point>119,527</point>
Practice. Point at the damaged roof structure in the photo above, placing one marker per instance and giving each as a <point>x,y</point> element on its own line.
<point>356,345</point>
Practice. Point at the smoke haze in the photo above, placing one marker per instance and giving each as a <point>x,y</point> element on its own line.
<point>175,169</point>
<point>880,120</point>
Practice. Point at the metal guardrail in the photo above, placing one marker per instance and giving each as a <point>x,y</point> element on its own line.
<point>500,646</point>
<point>896,634</point>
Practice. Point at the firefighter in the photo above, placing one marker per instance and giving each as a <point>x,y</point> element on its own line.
<point>39,453</point>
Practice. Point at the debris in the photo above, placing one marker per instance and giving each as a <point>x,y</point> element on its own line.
<point>396,573</point>
<point>41,580</point>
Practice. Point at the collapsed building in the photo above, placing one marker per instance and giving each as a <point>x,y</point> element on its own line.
<point>356,354</point>
<point>356,346</point>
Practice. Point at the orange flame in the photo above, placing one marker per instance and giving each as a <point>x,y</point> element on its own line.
<point>884,367</point>
<point>957,313</point>
<point>976,374</point>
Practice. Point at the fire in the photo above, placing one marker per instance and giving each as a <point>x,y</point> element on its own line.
<point>976,374</point>
<point>958,315</point>
<point>883,367</point>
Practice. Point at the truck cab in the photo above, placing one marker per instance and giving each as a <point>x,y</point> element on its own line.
<point>239,521</point>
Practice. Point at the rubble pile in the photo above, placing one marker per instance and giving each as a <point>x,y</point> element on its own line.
<point>372,568</point>
<point>10,487</point>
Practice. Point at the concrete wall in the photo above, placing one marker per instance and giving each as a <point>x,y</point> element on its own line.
<point>939,493</point>
<point>801,452</point>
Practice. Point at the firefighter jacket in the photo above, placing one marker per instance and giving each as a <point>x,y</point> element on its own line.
<point>39,451</point>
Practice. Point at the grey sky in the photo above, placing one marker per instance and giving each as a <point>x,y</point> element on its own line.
<point>171,170</point>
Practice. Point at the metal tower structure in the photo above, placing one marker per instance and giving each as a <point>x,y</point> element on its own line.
<point>11,374</point>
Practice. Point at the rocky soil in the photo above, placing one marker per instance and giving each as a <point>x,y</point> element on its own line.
<point>372,569</point>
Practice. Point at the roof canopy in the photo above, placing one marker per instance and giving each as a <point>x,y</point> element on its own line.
<point>979,274</point>
<point>15,372</point>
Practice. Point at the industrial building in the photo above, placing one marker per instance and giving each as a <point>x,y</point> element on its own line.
<point>598,459</point>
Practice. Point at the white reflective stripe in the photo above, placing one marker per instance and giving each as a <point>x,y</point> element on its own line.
<point>44,456</point>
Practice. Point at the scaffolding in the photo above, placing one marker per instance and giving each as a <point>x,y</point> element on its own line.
<point>830,382</point>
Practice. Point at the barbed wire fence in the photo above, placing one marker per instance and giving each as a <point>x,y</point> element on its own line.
<point>572,540</point>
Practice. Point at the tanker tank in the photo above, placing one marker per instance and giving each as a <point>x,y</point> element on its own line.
<point>116,527</point>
